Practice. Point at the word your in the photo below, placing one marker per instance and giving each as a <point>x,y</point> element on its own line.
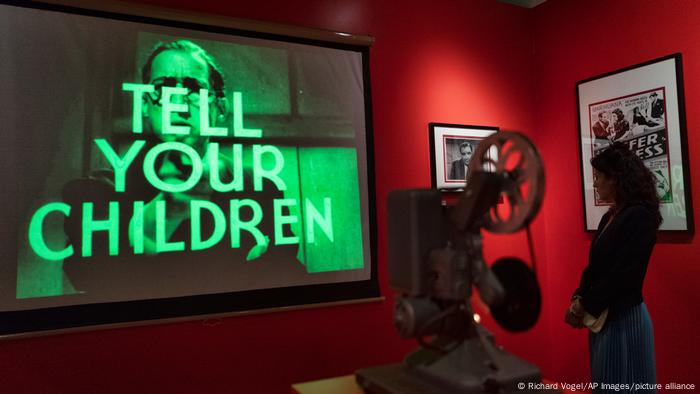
<point>212,157</point>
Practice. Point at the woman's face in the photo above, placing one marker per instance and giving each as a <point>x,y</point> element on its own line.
<point>604,186</point>
<point>614,117</point>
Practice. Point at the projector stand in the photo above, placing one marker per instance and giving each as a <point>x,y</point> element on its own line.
<point>474,365</point>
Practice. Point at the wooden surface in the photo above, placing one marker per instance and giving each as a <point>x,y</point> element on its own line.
<point>340,385</point>
<point>347,385</point>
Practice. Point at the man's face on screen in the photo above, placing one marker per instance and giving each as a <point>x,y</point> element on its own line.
<point>176,68</point>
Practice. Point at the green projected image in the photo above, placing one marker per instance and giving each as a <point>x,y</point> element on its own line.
<point>197,165</point>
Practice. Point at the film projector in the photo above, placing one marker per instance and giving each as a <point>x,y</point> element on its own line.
<point>435,257</point>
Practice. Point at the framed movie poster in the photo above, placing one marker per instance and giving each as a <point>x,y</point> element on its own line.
<point>643,107</point>
<point>451,149</point>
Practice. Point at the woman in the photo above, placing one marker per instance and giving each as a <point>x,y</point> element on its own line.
<point>619,126</point>
<point>609,298</point>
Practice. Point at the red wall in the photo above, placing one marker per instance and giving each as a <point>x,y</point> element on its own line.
<point>574,40</point>
<point>472,62</point>
<point>449,61</point>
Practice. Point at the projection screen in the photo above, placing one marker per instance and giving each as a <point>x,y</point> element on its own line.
<point>156,169</point>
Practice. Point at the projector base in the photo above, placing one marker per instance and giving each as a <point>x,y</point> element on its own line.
<point>397,379</point>
<point>475,365</point>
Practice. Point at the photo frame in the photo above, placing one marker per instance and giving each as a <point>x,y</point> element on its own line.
<point>643,106</point>
<point>448,169</point>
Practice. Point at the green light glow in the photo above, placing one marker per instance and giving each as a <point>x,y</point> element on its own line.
<point>204,128</point>
<point>36,232</point>
<point>238,129</point>
<point>316,204</point>
<point>290,175</point>
<point>170,107</point>
<point>250,226</point>
<point>331,174</point>
<point>162,244</point>
<point>313,209</point>
<point>119,164</point>
<point>281,220</point>
<point>90,225</point>
<point>139,90</point>
<point>272,174</point>
<point>214,159</point>
<point>258,250</point>
<point>196,207</point>
<point>136,228</point>
<point>324,222</point>
<point>149,169</point>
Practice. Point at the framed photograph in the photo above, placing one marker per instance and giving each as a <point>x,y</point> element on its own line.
<point>451,149</point>
<point>642,106</point>
<point>178,166</point>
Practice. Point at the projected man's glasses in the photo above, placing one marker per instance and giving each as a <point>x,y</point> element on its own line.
<point>192,85</point>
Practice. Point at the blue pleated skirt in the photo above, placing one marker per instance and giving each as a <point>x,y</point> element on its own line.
<point>622,353</point>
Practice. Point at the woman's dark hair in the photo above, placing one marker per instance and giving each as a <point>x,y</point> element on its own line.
<point>619,114</point>
<point>634,183</point>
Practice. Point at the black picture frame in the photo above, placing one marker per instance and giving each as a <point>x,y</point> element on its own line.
<point>446,142</point>
<point>644,106</point>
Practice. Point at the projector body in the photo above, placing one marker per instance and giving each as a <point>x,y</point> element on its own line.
<point>435,260</point>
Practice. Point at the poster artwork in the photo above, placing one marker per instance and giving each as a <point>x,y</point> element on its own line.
<point>639,121</point>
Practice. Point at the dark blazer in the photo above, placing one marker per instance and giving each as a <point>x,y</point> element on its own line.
<point>618,260</point>
<point>600,129</point>
<point>619,129</point>
<point>657,108</point>
<point>458,170</point>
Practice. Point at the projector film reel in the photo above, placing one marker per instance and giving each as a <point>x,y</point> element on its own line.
<point>516,161</point>
<point>521,307</point>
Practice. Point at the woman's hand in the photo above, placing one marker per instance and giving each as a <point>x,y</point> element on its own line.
<point>577,308</point>
<point>574,315</point>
